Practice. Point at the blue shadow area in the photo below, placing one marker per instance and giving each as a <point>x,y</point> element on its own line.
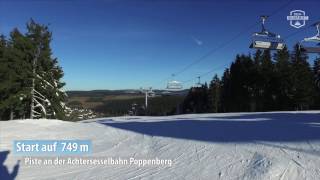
<point>275,127</point>
<point>4,172</point>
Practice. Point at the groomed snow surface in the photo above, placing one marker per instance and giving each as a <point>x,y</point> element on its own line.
<point>275,145</point>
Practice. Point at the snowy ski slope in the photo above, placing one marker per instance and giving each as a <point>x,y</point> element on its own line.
<point>275,145</point>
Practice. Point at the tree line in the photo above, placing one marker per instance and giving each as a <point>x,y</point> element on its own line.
<point>264,81</point>
<point>29,73</point>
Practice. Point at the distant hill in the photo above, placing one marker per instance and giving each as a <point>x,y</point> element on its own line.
<point>119,102</point>
<point>99,93</point>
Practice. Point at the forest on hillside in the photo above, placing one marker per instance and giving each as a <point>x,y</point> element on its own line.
<point>265,81</point>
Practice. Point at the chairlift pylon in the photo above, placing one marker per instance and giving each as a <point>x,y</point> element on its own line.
<point>148,92</point>
<point>313,39</point>
<point>266,39</point>
<point>151,93</point>
<point>198,84</point>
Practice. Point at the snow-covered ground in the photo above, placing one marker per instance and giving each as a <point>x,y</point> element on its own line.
<point>277,145</point>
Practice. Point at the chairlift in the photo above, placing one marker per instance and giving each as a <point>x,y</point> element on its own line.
<point>313,39</point>
<point>151,93</point>
<point>148,92</point>
<point>266,39</point>
<point>174,85</point>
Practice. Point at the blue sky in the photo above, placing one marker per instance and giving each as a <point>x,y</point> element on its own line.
<point>124,44</point>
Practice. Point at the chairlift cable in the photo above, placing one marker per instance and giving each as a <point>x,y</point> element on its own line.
<point>226,43</point>
<point>216,49</point>
<point>231,40</point>
<point>217,68</point>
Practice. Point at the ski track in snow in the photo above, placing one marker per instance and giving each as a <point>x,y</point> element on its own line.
<point>196,153</point>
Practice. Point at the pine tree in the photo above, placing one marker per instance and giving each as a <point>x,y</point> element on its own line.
<point>226,99</point>
<point>214,95</point>
<point>17,55</point>
<point>3,69</point>
<point>269,81</point>
<point>49,97</point>
<point>205,98</point>
<point>196,100</point>
<point>241,81</point>
<point>283,71</point>
<point>16,76</point>
<point>316,72</point>
<point>236,88</point>
<point>258,83</point>
<point>302,78</point>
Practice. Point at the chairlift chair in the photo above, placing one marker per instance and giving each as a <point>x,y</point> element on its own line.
<point>313,39</point>
<point>174,85</point>
<point>266,39</point>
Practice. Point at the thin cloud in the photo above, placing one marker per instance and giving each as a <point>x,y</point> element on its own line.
<point>197,41</point>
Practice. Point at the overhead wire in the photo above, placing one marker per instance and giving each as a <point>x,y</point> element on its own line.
<point>209,53</point>
<point>231,40</point>
<point>218,68</point>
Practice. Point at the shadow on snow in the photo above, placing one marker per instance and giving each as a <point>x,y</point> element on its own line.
<point>243,128</point>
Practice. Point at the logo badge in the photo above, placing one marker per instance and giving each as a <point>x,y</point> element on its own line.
<point>297,18</point>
